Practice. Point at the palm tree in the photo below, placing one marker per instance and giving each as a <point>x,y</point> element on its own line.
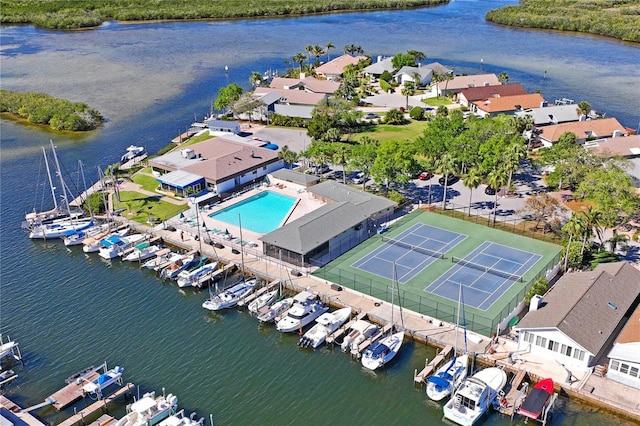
<point>299,59</point>
<point>417,78</point>
<point>584,108</point>
<point>503,77</point>
<point>255,79</point>
<point>353,48</point>
<point>592,225</point>
<point>617,239</point>
<point>288,156</point>
<point>314,50</point>
<point>496,180</point>
<point>446,166</point>
<point>517,151</point>
<point>408,89</point>
<point>472,179</point>
<point>574,227</point>
<point>327,47</point>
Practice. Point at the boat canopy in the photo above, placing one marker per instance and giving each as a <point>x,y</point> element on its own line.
<point>110,241</point>
<point>438,381</point>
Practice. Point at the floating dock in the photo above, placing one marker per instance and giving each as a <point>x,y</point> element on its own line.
<point>78,418</point>
<point>517,391</point>
<point>432,365</point>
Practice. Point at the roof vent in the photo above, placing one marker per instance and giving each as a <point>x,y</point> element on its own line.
<point>612,306</point>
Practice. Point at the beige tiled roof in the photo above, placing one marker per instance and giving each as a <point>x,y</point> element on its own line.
<point>600,128</point>
<point>631,331</point>
<point>337,65</point>
<point>294,96</point>
<point>309,84</point>
<point>464,81</point>
<point>484,92</point>
<point>510,103</point>
<point>625,146</point>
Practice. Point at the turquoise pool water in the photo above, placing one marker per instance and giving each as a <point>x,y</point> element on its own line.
<point>261,213</point>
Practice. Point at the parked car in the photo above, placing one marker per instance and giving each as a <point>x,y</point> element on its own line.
<point>450,181</point>
<point>322,169</point>
<point>358,179</point>
<point>425,175</point>
<point>371,116</point>
<point>489,191</point>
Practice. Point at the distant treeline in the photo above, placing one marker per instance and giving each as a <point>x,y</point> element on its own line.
<point>613,18</point>
<point>70,14</point>
<point>40,108</point>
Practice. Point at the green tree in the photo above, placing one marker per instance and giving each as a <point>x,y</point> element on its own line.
<point>227,96</point>
<point>299,59</point>
<point>363,157</point>
<point>583,109</point>
<point>403,60</point>
<point>442,111</point>
<point>539,287</point>
<point>446,166</point>
<point>408,89</point>
<point>503,77</point>
<point>618,240</point>
<point>288,155</point>
<point>255,79</point>
<point>496,180</point>
<point>393,161</point>
<point>573,228</point>
<point>472,179</point>
<point>327,47</point>
<point>352,49</point>
<point>395,117</point>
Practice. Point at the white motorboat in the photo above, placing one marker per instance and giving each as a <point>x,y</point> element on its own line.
<point>326,324</point>
<point>149,410</point>
<point>92,244</point>
<point>230,296</point>
<point>132,152</point>
<point>180,419</point>
<point>171,271</point>
<point>302,313</point>
<point>196,277</point>
<point>270,313</point>
<point>142,251</point>
<point>447,378</point>
<point>164,257</point>
<point>74,238</point>
<point>450,375</point>
<point>57,229</point>
<point>114,245</point>
<point>360,331</point>
<point>379,353</point>
<point>265,299</point>
<point>104,380</point>
<point>474,396</point>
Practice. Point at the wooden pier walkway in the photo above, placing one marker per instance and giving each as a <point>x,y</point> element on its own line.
<point>516,392</point>
<point>342,330</point>
<point>432,365</point>
<point>72,392</point>
<point>78,418</point>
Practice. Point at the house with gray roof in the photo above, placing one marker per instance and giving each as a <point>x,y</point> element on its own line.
<point>349,218</point>
<point>554,114</point>
<point>624,358</point>
<point>578,319</point>
<point>377,68</point>
<point>405,74</point>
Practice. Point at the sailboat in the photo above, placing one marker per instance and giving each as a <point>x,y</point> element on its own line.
<point>449,377</point>
<point>379,353</point>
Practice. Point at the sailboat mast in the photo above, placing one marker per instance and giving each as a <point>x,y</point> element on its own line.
<point>455,348</point>
<point>59,172</point>
<point>241,249</point>
<point>51,186</point>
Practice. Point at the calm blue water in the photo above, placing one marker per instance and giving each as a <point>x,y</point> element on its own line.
<point>69,310</point>
<point>261,213</point>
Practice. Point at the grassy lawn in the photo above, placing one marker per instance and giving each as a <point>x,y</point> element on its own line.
<point>140,206</point>
<point>384,132</point>
<point>147,181</point>
<point>442,100</point>
<point>196,139</point>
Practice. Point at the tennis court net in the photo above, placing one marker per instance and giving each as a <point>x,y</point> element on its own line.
<point>512,277</point>
<point>408,246</point>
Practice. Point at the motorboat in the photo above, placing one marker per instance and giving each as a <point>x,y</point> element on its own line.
<point>379,353</point>
<point>474,396</point>
<point>132,152</point>
<point>74,238</point>
<point>92,244</point>
<point>114,245</point>
<point>149,410</point>
<point>9,348</point>
<point>536,400</point>
<point>450,375</point>
<point>230,296</point>
<point>196,277</point>
<point>270,313</point>
<point>447,378</point>
<point>104,380</point>
<point>180,419</point>
<point>57,229</point>
<point>325,325</point>
<point>142,251</point>
<point>187,261</point>
<point>265,299</point>
<point>360,331</point>
<point>162,258</point>
<point>302,313</point>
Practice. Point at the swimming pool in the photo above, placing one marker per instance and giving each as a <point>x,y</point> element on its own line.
<point>261,213</point>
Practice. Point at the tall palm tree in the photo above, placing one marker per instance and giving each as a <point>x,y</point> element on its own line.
<point>352,49</point>
<point>288,156</point>
<point>315,50</point>
<point>574,227</point>
<point>472,179</point>
<point>255,79</point>
<point>408,89</point>
<point>299,59</point>
<point>496,180</point>
<point>584,108</point>
<point>617,240</point>
<point>446,166</point>
<point>593,225</point>
<point>327,47</point>
<point>503,77</point>
<point>516,153</point>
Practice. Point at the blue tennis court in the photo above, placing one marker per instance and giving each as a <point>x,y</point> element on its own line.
<point>485,273</point>
<point>411,251</point>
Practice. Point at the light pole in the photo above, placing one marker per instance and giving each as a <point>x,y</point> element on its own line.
<point>197,216</point>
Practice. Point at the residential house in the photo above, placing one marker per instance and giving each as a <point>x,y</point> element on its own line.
<point>410,73</point>
<point>624,358</point>
<point>491,107</point>
<point>578,319</point>
<point>349,218</point>
<point>586,130</point>
<point>627,147</point>
<point>223,126</point>
<point>472,94</point>
<point>217,166</point>
<point>290,103</point>
<point>308,84</point>
<point>376,69</point>
<point>460,82</point>
<point>333,69</point>
<point>547,115</point>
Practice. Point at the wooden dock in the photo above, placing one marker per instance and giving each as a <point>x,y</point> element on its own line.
<point>342,330</point>
<point>15,410</point>
<point>72,392</point>
<point>432,365</point>
<point>514,396</point>
<point>78,418</point>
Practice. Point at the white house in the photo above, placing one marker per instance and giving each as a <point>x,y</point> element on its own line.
<point>624,358</point>
<point>578,319</point>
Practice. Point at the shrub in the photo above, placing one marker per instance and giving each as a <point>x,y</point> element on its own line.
<point>417,113</point>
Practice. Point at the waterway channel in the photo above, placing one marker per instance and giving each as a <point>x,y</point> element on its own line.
<point>151,80</point>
